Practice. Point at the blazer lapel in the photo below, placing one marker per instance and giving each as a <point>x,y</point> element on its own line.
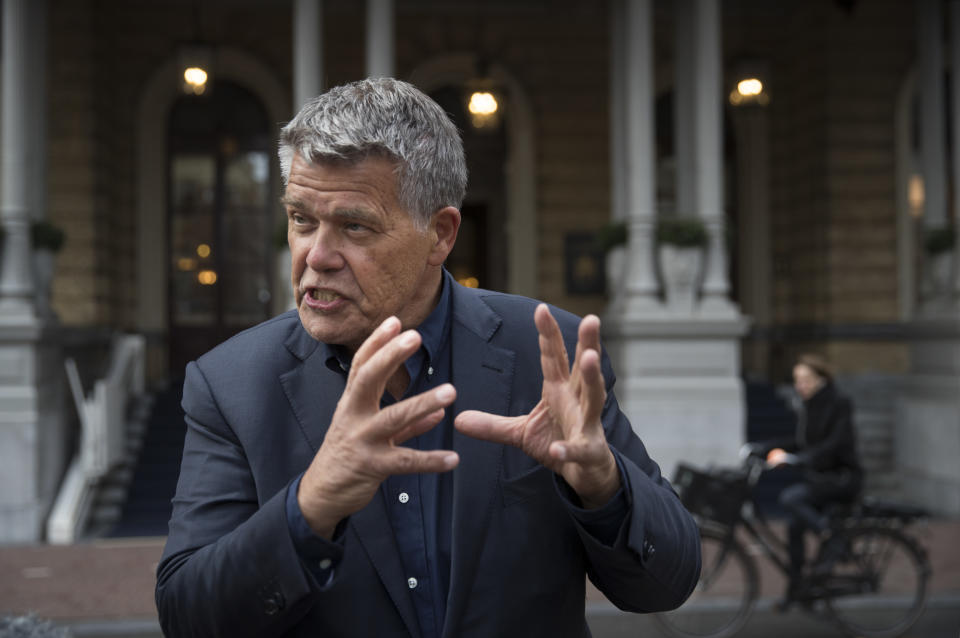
<point>313,391</point>
<point>483,376</point>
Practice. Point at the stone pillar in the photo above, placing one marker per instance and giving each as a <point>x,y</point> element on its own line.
<point>32,421</point>
<point>933,148</point>
<point>935,289</point>
<point>639,296</point>
<point>678,374</point>
<point>955,125</point>
<point>928,414</point>
<point>16,269</point>
<point>708,154</point>
<point>380,50</point>
<point>683,100</point>
<point>307,50</point>
<point>618,112</point>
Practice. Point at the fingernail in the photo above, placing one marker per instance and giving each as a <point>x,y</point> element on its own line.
<point>450,461</point>
<point>446,393</point>
<point>560,451</point>
<point>409,338</point>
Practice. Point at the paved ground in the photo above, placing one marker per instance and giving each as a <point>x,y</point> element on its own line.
<point>105,587</point>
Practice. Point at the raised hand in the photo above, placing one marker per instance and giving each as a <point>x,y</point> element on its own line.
<point>362,446</point>
<point>563,431</point>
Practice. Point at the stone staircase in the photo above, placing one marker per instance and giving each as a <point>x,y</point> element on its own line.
<point>134,498</point>
<point>874,397</point>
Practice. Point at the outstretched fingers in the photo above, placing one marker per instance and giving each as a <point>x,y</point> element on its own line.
<point>588,338</point>
<point>376,360</point>
<point>490,427</point>
<point>415,415</point>
<point>553,352</point>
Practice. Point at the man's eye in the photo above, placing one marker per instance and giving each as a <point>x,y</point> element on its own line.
<point>354,227</point>
<point>298,219</point>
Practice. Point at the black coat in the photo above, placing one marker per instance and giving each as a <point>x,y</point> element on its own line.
<point>826,440</point>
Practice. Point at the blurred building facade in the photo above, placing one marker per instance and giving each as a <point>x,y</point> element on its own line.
<point>818,182</point>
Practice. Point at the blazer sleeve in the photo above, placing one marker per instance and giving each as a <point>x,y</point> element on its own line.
<point>229,567</point>
<point>654,563</point>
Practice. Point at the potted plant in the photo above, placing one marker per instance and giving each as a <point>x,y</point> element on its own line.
<point>939,246</point>
<point>47,240</point>
<point>680,246</point>
<point>612,242</point>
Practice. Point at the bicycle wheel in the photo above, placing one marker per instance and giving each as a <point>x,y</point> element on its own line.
<point>879,589</point>
<point>724,596</point>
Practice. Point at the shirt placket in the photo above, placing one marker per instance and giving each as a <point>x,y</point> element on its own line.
<point>404,495</point>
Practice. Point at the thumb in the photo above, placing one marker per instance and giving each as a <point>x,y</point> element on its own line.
<point>489,427</point>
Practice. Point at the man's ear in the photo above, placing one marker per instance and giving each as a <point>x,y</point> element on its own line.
<point>444,226</point>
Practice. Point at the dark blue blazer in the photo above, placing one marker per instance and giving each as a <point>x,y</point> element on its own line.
<point>257,408</point>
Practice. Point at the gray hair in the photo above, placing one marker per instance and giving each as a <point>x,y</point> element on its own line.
<point>384,117</point>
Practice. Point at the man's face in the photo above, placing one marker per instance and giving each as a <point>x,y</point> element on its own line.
<point>356,256</point>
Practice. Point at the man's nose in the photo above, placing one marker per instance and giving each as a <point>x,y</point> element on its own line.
<point>325,251</point>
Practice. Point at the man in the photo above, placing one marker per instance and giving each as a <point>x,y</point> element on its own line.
<point>403,456</point>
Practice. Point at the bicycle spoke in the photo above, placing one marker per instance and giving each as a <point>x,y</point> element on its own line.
<point>879,590</point>
<point>724,596</point>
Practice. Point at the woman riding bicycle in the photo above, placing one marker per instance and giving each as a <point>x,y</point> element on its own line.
<point>825,448</point>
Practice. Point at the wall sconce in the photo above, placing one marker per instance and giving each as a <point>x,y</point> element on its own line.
<point>750,88</point>
<point>195,69</point>
<point>484,109</point>
<point>483,99</point>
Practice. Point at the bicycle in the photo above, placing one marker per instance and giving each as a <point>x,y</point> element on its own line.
<point>869,577</point>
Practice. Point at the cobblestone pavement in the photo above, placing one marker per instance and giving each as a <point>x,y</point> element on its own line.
<point>113,580</point>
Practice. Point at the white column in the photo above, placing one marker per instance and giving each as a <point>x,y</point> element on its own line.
<point>683,98</point>
<point>21,108</point>
<point>618,112</point>
<point>641,285</point>
<point>708,151</point>
<point>307,51</point>
<point>380,53</point>
<point>955,122</point>
<point>933,150</point>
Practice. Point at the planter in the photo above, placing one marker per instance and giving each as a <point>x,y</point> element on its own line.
<point>615,264</point>
<point>680,267</point>
<point>940,273</point>
<point>44,262</point>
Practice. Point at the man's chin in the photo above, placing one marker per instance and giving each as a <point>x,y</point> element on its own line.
<point>333,331</point>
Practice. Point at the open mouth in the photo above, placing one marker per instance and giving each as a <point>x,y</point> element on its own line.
<point>323,296</point>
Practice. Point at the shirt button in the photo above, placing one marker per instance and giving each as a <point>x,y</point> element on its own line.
<point>325,563</point>
<point>404,497</point>
<point>412,582</point>
<point>430,371</point>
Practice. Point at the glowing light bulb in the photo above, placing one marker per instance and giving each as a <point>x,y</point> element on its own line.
<point>196,79</point>
<point>750,87</point>
<point>483,103</point>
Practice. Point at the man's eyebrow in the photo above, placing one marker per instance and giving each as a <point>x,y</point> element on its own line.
<point>355,214</point>
<point>292,202</point>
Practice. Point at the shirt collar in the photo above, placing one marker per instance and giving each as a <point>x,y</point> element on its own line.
<point>434,332</point>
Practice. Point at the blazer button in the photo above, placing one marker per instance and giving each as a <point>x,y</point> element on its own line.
<point>273,603</point>
<point>648,550</point>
